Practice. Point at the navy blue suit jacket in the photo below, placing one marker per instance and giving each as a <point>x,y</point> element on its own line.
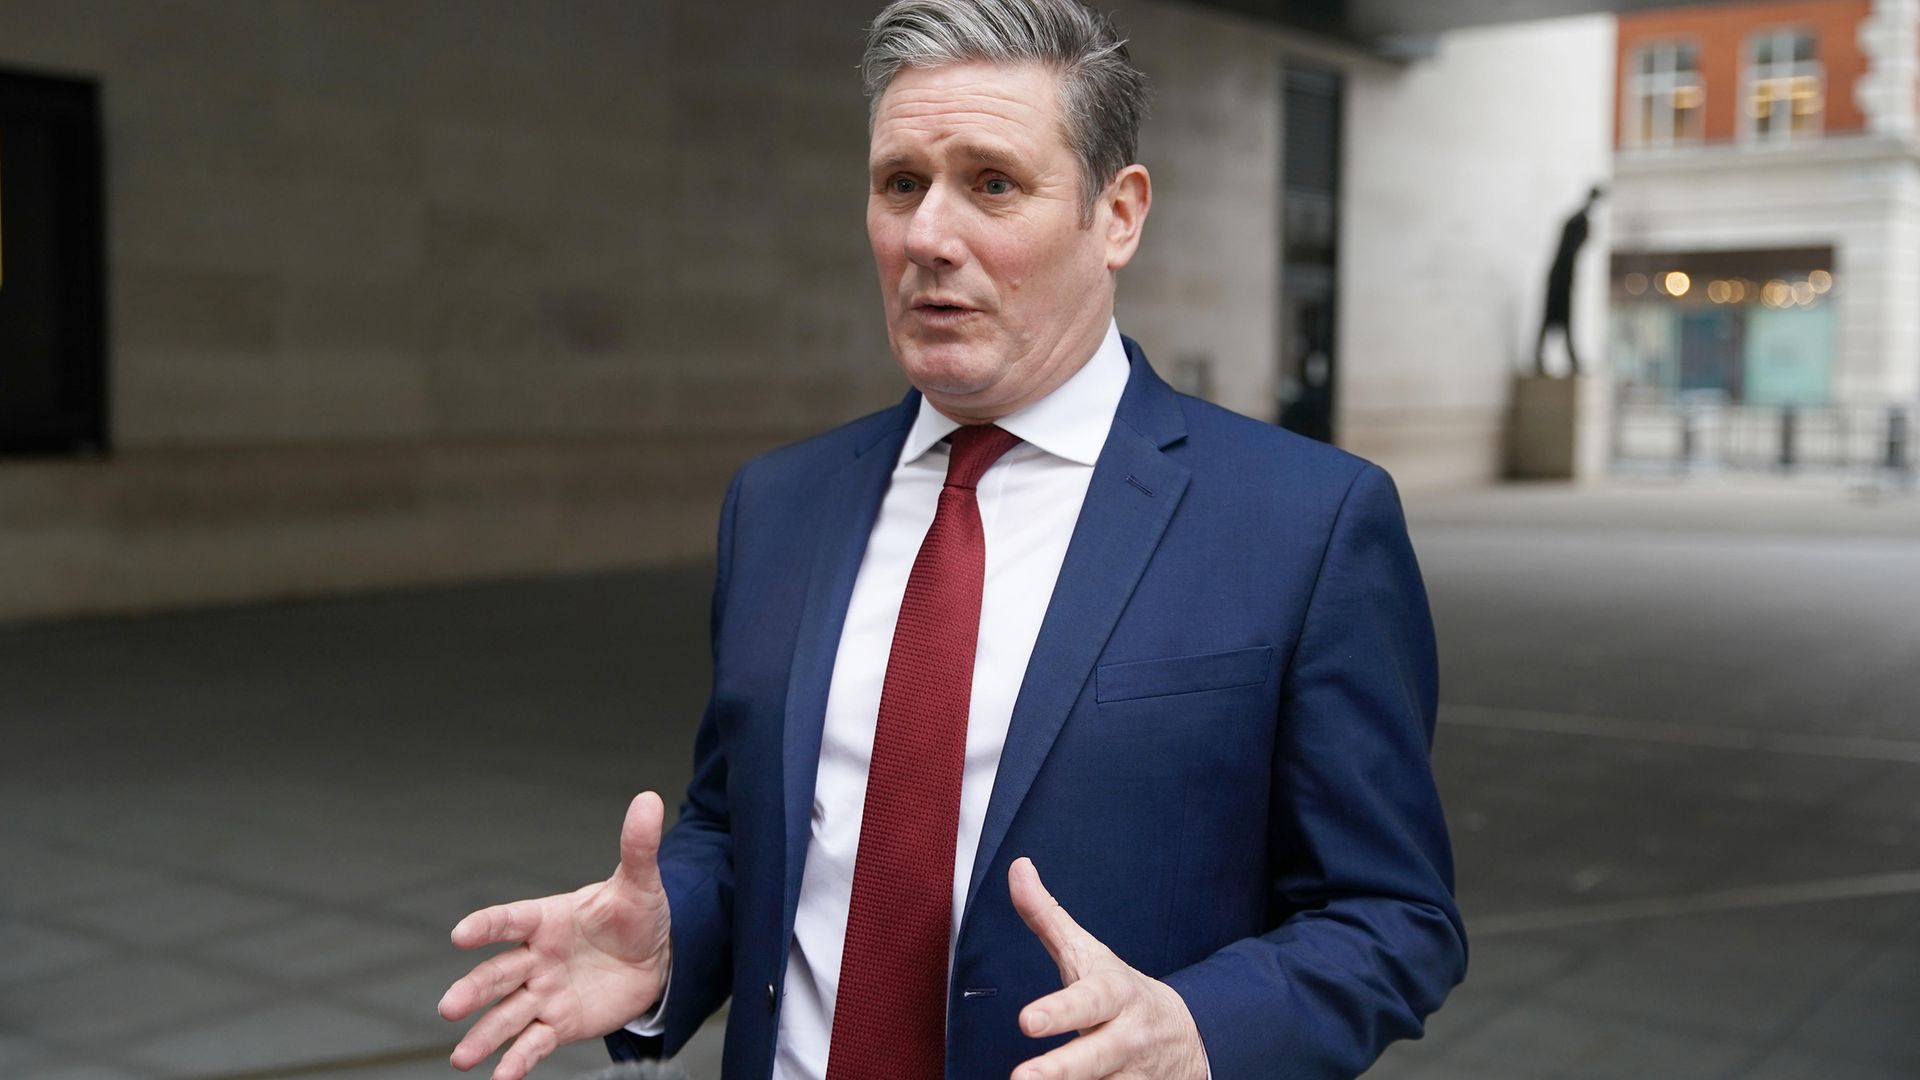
<point>1218,759</point>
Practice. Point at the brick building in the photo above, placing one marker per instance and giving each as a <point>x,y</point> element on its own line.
<point>1766,209</point>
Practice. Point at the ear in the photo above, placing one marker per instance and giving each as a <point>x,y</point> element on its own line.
<point>1127,200</point>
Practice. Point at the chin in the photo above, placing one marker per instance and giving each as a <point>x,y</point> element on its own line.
<point>952,369</point>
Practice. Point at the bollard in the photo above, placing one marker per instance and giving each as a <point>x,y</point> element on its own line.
<point>1897,462</point>
<point>1789,429</point>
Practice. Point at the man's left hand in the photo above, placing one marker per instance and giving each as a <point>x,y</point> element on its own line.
<point>1131,1027</point>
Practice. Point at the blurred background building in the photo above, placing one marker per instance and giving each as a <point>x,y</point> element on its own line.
<point>424,292</point>
<point>1766,232</point>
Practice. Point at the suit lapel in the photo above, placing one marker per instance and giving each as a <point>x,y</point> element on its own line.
<point>1131,499</point>
<point>848,507</point>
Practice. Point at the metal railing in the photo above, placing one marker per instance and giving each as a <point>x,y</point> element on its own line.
<point>1704,432</point>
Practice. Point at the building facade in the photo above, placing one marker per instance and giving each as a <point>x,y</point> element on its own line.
<point>464,291</point>
<point>1766,244</point>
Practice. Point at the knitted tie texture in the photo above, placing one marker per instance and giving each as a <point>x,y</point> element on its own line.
<point>889,1018</point>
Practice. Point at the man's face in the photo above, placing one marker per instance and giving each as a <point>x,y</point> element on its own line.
<point>994,292</point>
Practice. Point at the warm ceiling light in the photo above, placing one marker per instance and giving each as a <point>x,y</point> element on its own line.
<point>1677,283</point>
<point>1803,292</point>
<point>1776,293</point>
<point>1821,281</point>
<point>1636,283</point>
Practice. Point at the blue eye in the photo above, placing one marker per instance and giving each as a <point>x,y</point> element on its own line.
<point>999,185</point>
<point>901,185</point>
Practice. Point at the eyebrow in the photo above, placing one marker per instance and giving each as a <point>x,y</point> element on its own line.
<point>985,155</point>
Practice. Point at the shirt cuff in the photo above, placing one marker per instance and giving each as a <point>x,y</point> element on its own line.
<point>651,1024</point>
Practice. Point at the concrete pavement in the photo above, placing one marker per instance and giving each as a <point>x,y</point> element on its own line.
<point>1679,747</point>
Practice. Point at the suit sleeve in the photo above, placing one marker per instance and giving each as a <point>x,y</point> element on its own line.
<point>1367,939</point>
<point>696,866</point>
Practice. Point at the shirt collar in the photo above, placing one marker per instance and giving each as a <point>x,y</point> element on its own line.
<point>1071,423</point>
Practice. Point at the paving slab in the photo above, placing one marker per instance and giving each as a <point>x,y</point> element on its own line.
<point>37,951</point>
<point>1535,1040</point>
<point>126,999</point>
<point>177,911</point>
<point>289,1034</point>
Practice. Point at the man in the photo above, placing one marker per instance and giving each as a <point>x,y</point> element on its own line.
<point>1044,613</point>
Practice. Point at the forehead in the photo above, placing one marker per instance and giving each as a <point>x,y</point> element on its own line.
<point>1011,109</point>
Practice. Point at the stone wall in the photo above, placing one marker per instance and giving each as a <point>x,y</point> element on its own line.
<point>1202,291</point>
<point>422,291</point>
<point>1460,171</point>
<point>425,291</point>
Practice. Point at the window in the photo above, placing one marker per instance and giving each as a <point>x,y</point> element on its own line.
<point>1785,96</point>
<point>1665,95</point>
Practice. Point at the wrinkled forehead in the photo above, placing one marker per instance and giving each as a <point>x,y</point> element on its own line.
<point>979,99</point>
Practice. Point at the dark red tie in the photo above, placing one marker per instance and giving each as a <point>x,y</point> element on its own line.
<point>890,1016</point>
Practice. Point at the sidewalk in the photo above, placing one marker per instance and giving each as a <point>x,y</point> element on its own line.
<point>1754,505</point>
<point>1680,748</point>
<point>1679,744</point>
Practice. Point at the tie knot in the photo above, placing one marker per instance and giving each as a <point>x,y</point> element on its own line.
<point>975,448</point>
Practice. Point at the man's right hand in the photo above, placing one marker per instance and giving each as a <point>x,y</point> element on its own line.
<point>588,962</point>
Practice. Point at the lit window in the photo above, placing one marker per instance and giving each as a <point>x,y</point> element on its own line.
<point>1786,92</point>
<point>1665,95</point>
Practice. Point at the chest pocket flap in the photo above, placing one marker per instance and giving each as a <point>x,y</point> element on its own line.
<point>1182,674</point>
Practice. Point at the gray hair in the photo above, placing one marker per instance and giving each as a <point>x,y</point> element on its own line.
<point>1103,97</point>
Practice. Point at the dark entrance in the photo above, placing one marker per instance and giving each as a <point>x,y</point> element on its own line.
<point>52,297</point>
<point>1310,222</point>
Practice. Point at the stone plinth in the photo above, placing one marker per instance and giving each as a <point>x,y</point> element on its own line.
<point>1557,428</point>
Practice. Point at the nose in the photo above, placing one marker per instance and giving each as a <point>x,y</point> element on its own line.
<point>934,239</point>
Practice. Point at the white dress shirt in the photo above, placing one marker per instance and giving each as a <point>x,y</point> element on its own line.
<point>1029,502</point>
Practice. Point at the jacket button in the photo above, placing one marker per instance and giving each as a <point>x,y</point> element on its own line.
<point>773,998</point>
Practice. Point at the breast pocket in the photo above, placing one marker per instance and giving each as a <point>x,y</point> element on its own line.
<point>1182,674</point>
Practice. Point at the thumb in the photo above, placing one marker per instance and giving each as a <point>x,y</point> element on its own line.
<point>640,842</point>
<point>1064,938</point>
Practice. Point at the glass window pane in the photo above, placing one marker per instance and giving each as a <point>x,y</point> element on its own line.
<point>1684,58</point>
<point>1763,49</point>
<point>1646,60</point>
<point>1806,96</point>
<point>1688,95</point>
<point>1803,46</point>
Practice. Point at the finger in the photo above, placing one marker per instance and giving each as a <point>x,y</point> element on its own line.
<point>1065,941</point>
<point>489,981</point>
<point>640,841</point>
<point>491,926</point>
<point>1088,1057</point>
<point>502,1022</point>
<point>1091,1001</point>
<point>533,1045</point>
